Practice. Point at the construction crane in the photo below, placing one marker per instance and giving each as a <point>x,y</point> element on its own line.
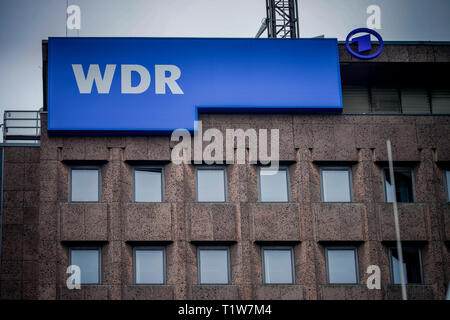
<point>281,20</point>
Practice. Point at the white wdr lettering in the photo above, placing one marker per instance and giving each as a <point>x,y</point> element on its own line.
<point>103,82</point>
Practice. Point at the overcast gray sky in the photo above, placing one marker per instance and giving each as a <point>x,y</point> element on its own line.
<point>24,23</point>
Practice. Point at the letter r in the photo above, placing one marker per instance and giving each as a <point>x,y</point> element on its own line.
<point>171,81</point>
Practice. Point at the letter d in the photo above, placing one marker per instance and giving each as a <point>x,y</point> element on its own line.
<point>126,78</point>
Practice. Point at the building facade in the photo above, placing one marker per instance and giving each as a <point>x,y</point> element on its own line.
<point>310,232</point>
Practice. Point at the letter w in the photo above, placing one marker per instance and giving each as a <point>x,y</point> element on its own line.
<point>85,83</point>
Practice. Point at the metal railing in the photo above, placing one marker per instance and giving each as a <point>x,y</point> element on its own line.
<point>21,126</point>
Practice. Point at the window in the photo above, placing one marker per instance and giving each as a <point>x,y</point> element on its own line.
<point>149,265</point>
<point>385,100</point>
<point>356,99</point>
<point>273,185</point>
<point>365,99</point>
<point>440,101</point>
<point>211,185</point>
<point>336,185</point>
<point>88,260</point>
<point>403,185</point>
<point>213,265</point>
<point>447,180</point>
<point>85,184</point>
<point>278,267</point>
<point>148,185</point>
<point>412,265</point>
<point>342,266</point>
<point>415,101</point>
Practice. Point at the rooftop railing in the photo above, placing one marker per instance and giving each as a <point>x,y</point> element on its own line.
<point>21,126</point>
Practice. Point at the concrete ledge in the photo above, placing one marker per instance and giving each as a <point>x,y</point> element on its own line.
<point>215,292</point>
<point>148,292</point>
<point>84,148</point>
<point>346,292</point>
<point>402,53</point>
<point>412,218</point>
<point>212,221</point>
<point>87,292</point>
<point>84,221</point>
<point>147,148</point>
<point>279,292</point>
<point>339,221</point>
<point>333,142</point>
<point>445,209</point>
<point>148,221</point>
<point>275,221</point>
<point>443,147</point>
<point>404,142</point>
<point>414,292</point>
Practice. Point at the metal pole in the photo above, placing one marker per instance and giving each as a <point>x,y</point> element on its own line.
<point>65,22</point>
<point>397,227</point>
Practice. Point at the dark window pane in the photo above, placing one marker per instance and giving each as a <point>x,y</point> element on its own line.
<point>336,185</point>
<point>341,266</point>
<point>149,266</point>
<point>403,185</point>
<point>148,185</point>
<point>211,185</point>
<point>411,265</point>
<point>278,266</point>
<point>385,100</point>
<point>84,185</point>
<point>88,262</point>
<point>355,99</point>
<point>213,266</point>
<point>415,101</point>
<point>273,185</point>
<point>440,101</point>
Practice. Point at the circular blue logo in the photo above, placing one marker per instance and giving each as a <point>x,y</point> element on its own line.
<point>363,43</point>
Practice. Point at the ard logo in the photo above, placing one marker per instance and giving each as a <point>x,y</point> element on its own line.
<point>364,44</point>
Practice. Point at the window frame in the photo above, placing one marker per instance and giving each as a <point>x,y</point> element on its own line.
<point>212,248</point>
<point>411,170</point>
<point>288,185</point>
<point>97,248</point>
<point>225,181</point>
<point>336,168</point>
<point>391,265</point>
<point>92,167</point>
<point>327,263</point>
<point>149,168</point>
<point>275,248</point>
<point>150,248</point>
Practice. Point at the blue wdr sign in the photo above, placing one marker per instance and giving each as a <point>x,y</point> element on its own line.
<point>156,85</point>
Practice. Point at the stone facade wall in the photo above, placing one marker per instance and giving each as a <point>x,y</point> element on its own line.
<point>40,226</point>
<point>20,223</point>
